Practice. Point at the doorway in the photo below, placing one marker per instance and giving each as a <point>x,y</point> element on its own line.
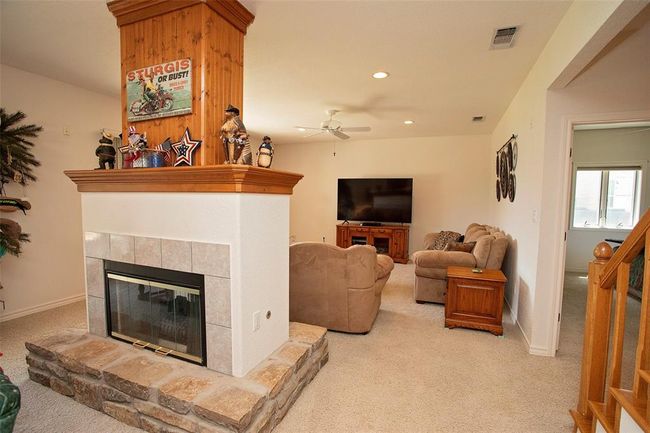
<point>608,191</point>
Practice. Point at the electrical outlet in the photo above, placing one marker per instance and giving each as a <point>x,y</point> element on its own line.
<point>257,319</point>
<point>66,131</point>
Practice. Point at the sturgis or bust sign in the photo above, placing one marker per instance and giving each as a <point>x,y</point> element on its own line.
<point>159,91</point>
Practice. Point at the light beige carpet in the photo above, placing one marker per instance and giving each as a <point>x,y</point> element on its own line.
<point>409,374</point>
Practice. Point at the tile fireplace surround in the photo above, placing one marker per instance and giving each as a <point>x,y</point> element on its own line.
<point>210,260</point>
<point>229,223</point>
<point>226,224</point>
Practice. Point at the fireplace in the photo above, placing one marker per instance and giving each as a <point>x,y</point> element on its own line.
<point>161,310</point>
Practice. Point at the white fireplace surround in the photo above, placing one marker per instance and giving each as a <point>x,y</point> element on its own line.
<point>240,242</point>
<point>210,260</point>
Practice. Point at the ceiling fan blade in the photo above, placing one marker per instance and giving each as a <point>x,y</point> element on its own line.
<point>307,127</point>
<point>338,134</point>
<point>356,129</point>
<point>312,135</point>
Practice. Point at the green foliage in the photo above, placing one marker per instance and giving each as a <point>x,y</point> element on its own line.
<point>12,244</point>
<point>16,164</point>
<point>16,157</point>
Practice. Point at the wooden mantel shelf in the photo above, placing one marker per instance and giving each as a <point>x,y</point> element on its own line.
<point>210,178</point>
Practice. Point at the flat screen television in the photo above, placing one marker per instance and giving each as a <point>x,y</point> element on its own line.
<point>375,200</point>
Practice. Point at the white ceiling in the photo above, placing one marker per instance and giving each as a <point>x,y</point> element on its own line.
<point>303,57</point>
<point>76,42</point>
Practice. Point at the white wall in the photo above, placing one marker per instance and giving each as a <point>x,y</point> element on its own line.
<point>449,187</point>
<point>256,226</point>
<point>605,146</point>
<point>617,82</point>
<point>50,271</point>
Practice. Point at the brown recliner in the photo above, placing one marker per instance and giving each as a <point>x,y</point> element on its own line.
<point>431,265</point>
<point>336,288</point>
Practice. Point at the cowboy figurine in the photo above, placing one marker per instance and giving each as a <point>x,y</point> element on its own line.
<point>265,153</point>
<point>105,151</point>
<point>235,139</point>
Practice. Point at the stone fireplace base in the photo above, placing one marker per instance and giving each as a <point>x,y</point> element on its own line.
<point>161,395</point>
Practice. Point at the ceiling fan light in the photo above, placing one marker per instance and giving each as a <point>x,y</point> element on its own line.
<point>409,122</point>
<point>301,129</point>
<point>380,74</point>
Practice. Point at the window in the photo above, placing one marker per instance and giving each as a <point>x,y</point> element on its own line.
<point>606,197</point>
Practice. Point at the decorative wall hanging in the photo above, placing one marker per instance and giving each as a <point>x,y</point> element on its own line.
<point>237,149</point>
<point>159,91</point>
<point>506,162</point>
<point>185,149</point>
<point>265,153</point>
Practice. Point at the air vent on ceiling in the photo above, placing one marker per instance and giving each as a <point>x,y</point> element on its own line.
<point>503,38</point>
<point>478,118</point>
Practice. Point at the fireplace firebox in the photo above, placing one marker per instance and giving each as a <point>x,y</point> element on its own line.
<point>156,309</point>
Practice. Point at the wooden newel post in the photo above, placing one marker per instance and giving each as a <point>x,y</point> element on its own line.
<point>596,337</point>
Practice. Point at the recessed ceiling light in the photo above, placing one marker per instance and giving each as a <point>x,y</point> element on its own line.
<point>379,75</point>
<point>409,122</point>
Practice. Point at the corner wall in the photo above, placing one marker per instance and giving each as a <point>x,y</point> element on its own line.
<point>50,271</point>
<point>449,188</point>
<point>535,220</point>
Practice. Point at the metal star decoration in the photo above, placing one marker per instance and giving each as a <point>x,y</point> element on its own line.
<point>185,149</point>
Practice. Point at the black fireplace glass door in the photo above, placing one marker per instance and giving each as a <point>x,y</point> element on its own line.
<point>176,314</point>
<point>157,315</point>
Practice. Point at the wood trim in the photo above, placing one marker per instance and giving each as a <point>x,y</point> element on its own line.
<point>636,408</point>
<point>596,340</point>
<point>212,178</point>
<point>600,415</point>
<point>581,422</point>
<point>631,248</point>
<point>467,274</point>
<point>616,362</point>
<point>233,11</point>
<point>642,362</point>
<point>131,11</point>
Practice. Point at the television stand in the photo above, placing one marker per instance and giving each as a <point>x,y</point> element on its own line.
<point>392,240</point>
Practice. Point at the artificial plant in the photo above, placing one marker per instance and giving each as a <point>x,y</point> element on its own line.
<point>17,163</point>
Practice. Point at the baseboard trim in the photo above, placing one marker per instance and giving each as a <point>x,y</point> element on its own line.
<point>42,307</point>
<point>512,317</point>
<point>531,349</point>
<point>540,351</point>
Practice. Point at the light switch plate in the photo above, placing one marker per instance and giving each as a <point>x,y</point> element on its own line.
<point>257,318</point>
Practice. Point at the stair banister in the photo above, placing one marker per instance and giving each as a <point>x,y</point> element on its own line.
<point>598,399</point>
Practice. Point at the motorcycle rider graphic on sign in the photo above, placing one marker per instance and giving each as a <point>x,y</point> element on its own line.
<point>159,91</point>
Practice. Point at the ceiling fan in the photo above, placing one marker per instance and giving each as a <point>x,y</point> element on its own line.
<point>334,127</point>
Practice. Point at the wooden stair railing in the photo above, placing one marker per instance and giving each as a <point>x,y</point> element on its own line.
<point>600,396</point>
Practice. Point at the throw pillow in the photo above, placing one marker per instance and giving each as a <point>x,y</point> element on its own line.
<point>444,237</point>
<point>460,246</point>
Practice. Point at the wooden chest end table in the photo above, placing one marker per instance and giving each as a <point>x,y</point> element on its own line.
<point>475,300</point>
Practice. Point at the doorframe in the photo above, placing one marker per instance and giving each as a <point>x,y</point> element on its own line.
<point>562,227</point>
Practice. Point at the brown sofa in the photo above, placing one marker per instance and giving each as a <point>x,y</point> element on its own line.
<point>339,289</point>
<point>431,265</point>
